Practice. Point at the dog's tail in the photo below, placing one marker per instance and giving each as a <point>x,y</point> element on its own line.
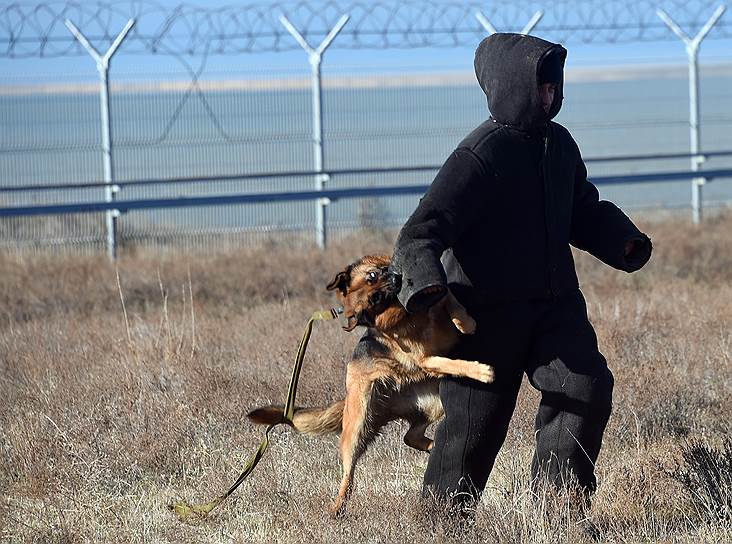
<point>305,420</point>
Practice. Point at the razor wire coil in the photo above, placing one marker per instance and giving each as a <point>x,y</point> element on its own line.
<point>30,29</point>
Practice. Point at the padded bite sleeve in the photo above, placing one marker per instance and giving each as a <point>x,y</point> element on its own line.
<point>453,201</point>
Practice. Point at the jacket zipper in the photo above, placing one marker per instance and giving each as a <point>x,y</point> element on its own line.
<point>547,213</point>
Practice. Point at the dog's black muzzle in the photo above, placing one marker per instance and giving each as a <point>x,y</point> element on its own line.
<point>395,282</point>
<point>391,284</point>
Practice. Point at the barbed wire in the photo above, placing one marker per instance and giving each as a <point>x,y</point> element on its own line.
<point>31,29</point>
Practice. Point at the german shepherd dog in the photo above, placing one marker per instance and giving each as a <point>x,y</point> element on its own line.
<point>394,371</point>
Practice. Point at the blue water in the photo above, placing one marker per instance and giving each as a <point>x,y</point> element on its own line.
<point>52,138</point>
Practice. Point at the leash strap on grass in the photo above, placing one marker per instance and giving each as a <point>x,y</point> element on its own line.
<point>187,511</point>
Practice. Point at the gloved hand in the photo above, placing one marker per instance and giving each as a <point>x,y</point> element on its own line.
<point>638,251</point>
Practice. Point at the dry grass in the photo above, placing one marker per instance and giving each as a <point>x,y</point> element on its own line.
<point>105,415</point>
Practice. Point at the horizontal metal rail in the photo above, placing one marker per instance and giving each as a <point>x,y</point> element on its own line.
<point>310,173</point>
<point>124,206</point>
<point>187,202</point>
<point>210,179</point>
<point>616,158</point>
<point>708,175</point>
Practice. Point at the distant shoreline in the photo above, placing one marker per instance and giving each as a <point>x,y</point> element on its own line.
<point>375,81</point>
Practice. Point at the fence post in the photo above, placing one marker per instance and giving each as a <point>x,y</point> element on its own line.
<point>692,51</point>
<point>315,57</point>
<point>528,27</point>
<point>103,62</point>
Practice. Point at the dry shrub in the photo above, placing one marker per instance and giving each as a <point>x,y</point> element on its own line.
<point>636,495</point>
<point>706,474</point>
<point>674,410</point>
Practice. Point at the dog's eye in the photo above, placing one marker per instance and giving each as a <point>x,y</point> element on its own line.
<point>372,277</point>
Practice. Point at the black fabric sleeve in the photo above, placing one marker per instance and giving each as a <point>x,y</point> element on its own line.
<point>453,201</point>
<point>602,229</point>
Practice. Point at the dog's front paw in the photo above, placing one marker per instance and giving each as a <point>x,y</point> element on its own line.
<point>484,373</point>
<point>465,324</point>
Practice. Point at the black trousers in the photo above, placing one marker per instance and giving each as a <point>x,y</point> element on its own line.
<point>553,342</point>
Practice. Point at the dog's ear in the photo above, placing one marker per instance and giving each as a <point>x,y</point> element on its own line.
<point>341,281</point>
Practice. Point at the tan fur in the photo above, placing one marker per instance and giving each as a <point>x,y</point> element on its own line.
<point>395,376</point>
<point>304,420</point>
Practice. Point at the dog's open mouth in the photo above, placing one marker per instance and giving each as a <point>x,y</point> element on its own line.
<point>350,323</point>
<point>362,318</point>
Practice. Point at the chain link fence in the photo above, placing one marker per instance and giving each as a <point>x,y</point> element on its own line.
<point>180,124</point>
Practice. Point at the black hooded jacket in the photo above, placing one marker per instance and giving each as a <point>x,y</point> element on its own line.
<point>513,196</point>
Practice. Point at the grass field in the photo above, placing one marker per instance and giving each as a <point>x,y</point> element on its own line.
<point>108,411</point>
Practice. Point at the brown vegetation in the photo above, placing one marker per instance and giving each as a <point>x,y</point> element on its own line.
<point>108,412</point>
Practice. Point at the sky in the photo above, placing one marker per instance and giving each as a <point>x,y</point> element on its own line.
<point>82,68</point>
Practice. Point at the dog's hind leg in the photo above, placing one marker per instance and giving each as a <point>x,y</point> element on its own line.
<point>420,405</point>
<point>415,437</point>
<point>358,432</point>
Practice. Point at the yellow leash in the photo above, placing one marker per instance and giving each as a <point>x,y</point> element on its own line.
<point>187,511</point>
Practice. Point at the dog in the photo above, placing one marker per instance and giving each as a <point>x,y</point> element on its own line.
<point>395,368</point>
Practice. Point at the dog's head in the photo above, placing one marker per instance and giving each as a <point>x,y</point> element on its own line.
<point>366,289</point>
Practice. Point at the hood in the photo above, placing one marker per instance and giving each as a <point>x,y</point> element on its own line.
<point>507,67</point>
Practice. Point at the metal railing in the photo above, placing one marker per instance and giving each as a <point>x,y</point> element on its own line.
<point>330,195</point>
<point>387,170</point>
<point>319,195</point>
